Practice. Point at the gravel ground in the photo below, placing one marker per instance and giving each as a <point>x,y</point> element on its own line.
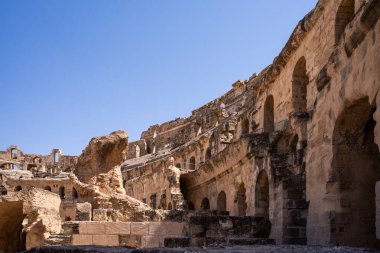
<point>216,249</point>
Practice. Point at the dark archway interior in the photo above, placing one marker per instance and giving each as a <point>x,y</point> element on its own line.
<point>12,238</point>
<point>299,86</point>
<point>345,14</point>
<point>205,205</point>
<point>269,115</point>
<point>222,201</point>
<point>262,195</point>
<point>241,200</point>
<point>355,170</point>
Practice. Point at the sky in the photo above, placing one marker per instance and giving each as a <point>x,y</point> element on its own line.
<point>74,69</point>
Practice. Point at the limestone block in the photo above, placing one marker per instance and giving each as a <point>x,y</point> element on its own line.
<point>175,228</point>
<point>134,241</point>
<point>82,240</point>
<point>151,241</point>
<point>157,228</point>
<point>83,211</point>
<point>105,240</point>
<point>99,215</point>
<point>139,228</point>
<point>118,228</point>
<point>92,228</point>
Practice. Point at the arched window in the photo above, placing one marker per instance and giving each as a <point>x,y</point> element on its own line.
<point>74,193</point>
<point>269,114</point>
<point>245,127</point>
<point>14,153</point>
<point>137,150</point>
<point>15,167</point>
<point>262,195</point>
<point>192,163</point>
<point>62,192</point>
<point>208,153</point>
<point>299,86</point>
<point>205,205</point>
<point>345,14</point>
<point>222,201</point>
<point>56,157</point>
<point>47,188</point>
<point>18,188</point>
<point>241,200</point>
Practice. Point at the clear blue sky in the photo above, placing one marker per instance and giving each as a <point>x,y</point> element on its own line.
<point>74,69</point>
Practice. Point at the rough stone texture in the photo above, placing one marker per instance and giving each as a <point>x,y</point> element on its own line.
<point>99,163</point>
<point>291,154</point>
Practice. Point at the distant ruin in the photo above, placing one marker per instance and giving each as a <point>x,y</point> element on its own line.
<point>289,156</point>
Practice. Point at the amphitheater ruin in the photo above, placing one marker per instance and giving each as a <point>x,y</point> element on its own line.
<point>289,156</point>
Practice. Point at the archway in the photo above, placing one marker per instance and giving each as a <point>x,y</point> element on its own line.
<point>62,192</point>
<point>47,188</point>
<point>245,127</point>
<point>3,190</point>
<point>355,170</point>
<point>262,195</point>
<point>192,163</point>
<point>269,114</point>
<point>345,14</point>
<point>18,188</point>
<point>222,201</point>
<point>299,86</point>
<point>191,206</point>
<point>241,200</point>
<point>205,205</point>
<point>74,194</point>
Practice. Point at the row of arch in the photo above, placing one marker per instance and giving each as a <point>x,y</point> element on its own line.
<point>261,199</point>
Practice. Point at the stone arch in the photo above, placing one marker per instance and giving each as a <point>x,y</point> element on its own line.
<point>269,114</point>
<point>222,201</point>
<point>18,188</point>
<point>355,170</point>
<point>47,188</point>
<point>191,206</point>
<point>344,15</point>
<point>205,205</point>
<point>192,163</point>
<point>300,81</point>
<point>245,127</point>
<point>62,192</point>
<point>262,195</point>
<point>74,194</point>
<point>241,200</point>
<point>208,153</point>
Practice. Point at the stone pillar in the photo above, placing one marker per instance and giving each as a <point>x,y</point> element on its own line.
<point>377,189</point>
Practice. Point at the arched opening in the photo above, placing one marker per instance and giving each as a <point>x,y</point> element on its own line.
<point>153,201</point>
<point>205,205</point>
<point>56,157</point>
<point>208,153</point>
<point>3,190</point>
<point>222,201</point>
<point>345,14</point>
<point>74,193</point>
<point>62,192</point>
<point>170,207</point>
<point>47,188</point>
<point>241,200</point>
<point>355,170</point>
<point>137,151</point>
<point>245,127</point>
<point>178,165</point>
<point>269,114</point>
<point>15,167</point>
<point>67,218</point>
<point>12,237</point>
<point>18,188</point>
<point>13,153</point>
<point>163,201</point>
<point>262,195</point>
<point>299,86</point>
<point>191,206</point>
<point>192,163</point>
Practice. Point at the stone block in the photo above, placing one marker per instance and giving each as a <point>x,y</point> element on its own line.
<point>118,228</point>
<point>105,240</point>
<point>81,240</point>
<point>157,228</point>
<point>175,228</point>
<point>83,211</point>
<point>151,241</point>
<point>99,215</point>
<point>179,242</point>
<point>134,241</point>
<point>139,228</point>
<point>92,228</point>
